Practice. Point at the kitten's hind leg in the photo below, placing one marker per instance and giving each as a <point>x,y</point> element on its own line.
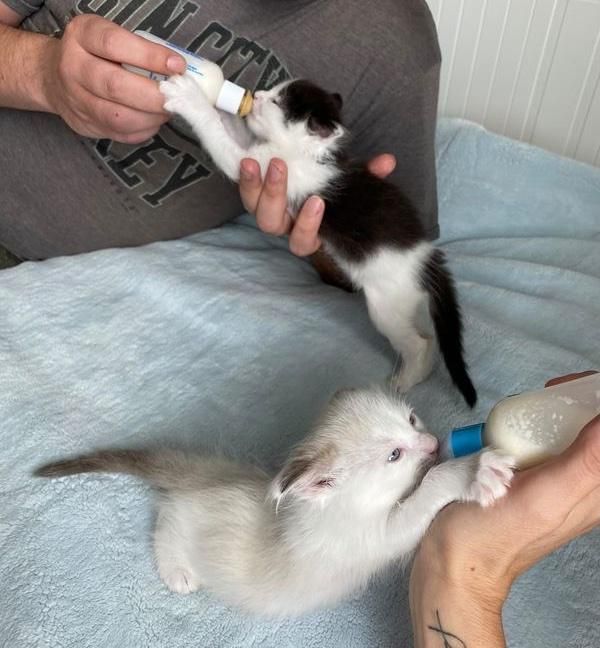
<point>416,355</point>
<point>416,347</point>
<point>394,314</point>
<point>174,566</point>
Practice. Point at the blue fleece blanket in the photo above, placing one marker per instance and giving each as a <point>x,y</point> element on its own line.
<point>225,340</point>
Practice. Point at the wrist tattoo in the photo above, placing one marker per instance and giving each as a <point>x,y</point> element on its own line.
<point>449,639</point>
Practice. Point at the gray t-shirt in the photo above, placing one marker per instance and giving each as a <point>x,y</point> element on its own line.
<point>65,194</point>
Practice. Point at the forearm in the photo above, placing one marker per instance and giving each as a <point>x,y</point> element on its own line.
<point>24,58</point>
<point>450,609</point>
<point>447,617</point>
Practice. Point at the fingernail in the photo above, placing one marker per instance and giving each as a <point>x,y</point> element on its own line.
<point>316,206</point>
<point>247,170</point>
<point>274,174</point>
<point>176,64</point>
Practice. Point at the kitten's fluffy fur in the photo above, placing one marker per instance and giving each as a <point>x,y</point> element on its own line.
<point>350,500</point>
<point>370,229</point>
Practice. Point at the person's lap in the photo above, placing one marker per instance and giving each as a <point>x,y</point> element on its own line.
<point>64,194</point>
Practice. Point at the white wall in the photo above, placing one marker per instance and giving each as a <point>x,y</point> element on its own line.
<point>529,69</point>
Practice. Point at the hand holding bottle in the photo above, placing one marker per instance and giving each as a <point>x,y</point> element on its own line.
<point>534,425</point>
<point>470,556</point>
<point>85,84</point>
<point>266,198</point>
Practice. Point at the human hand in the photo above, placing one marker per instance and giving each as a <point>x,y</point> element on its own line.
<point>470,556</point>
<point>268,201</point>
<point>85,84</point>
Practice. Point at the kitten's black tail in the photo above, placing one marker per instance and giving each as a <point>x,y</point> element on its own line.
<point>445,313</point>
<point>163,469</point>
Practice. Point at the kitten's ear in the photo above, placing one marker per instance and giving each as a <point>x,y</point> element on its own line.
<point>342,394</point>
<point>337,100</point>
<point>307,477</point>
<point>340,399</point>
<point>322,130</point>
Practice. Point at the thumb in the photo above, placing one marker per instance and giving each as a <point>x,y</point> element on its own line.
<point>582,459</point>
<point>382,165</point>
<point>566,489</point>
<point>554,502</point>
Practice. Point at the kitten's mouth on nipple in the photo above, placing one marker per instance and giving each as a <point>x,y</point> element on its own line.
<point>428,462</point>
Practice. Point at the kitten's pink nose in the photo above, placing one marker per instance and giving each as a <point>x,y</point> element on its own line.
<point>429,443</point>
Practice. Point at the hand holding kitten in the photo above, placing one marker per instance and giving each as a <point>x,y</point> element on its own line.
<point>267,200</point>
<point>375,240</point>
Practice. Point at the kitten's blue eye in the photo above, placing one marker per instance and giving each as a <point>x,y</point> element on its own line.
<point>396,454</point>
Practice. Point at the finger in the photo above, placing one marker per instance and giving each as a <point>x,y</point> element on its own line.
<point>584,453</point>
<point>583,517</point>
<point>124,120</point>
<point>112,82</point>
<point>304,237</point>
<point>135,138</point>
<point>551,517</point>
<point>382,165</point>
<point>568,377</point>
<point>110,41</point>
<point>250,184</point>
<point>107,118</point>
<point>561,483</point>
<point>271,210</point>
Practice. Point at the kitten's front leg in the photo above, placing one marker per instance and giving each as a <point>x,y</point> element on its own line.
<point>482,478</point>
<point>186,98</point>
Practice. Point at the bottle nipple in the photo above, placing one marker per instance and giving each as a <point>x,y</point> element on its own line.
<point>246,104</point>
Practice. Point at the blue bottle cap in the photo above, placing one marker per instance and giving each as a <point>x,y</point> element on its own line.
<point>463,441</point>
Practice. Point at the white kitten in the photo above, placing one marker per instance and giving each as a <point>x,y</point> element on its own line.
<point>355,496</point>
<point>370,230</point>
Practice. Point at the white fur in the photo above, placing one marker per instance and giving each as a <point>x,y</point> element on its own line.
<point>305,154</point>
<point>399,307</point>
<point>346,514</point>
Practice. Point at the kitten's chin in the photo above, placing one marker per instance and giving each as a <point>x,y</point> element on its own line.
<point>422,469</point>
<point>253,125</point>
<point>428,462</point>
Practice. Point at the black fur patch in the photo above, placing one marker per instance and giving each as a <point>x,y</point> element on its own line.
<point>364,213</point>
<point>304,101</point>
<point>445,312</point>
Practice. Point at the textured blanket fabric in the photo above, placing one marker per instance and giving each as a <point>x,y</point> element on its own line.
<point>225,340</point>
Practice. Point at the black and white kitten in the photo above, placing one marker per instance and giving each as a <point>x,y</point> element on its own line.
<point>355,496</point>
<point>369,228</point>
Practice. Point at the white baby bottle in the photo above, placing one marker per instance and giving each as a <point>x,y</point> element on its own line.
<point>221,93</point>
<point>531,426</point>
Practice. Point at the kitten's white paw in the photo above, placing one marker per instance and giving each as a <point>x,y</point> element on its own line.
<point>494,475</point>
<point>402,382</point>
<point>417,367</point>
<point>181,92</point>
<point>180,580</point>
